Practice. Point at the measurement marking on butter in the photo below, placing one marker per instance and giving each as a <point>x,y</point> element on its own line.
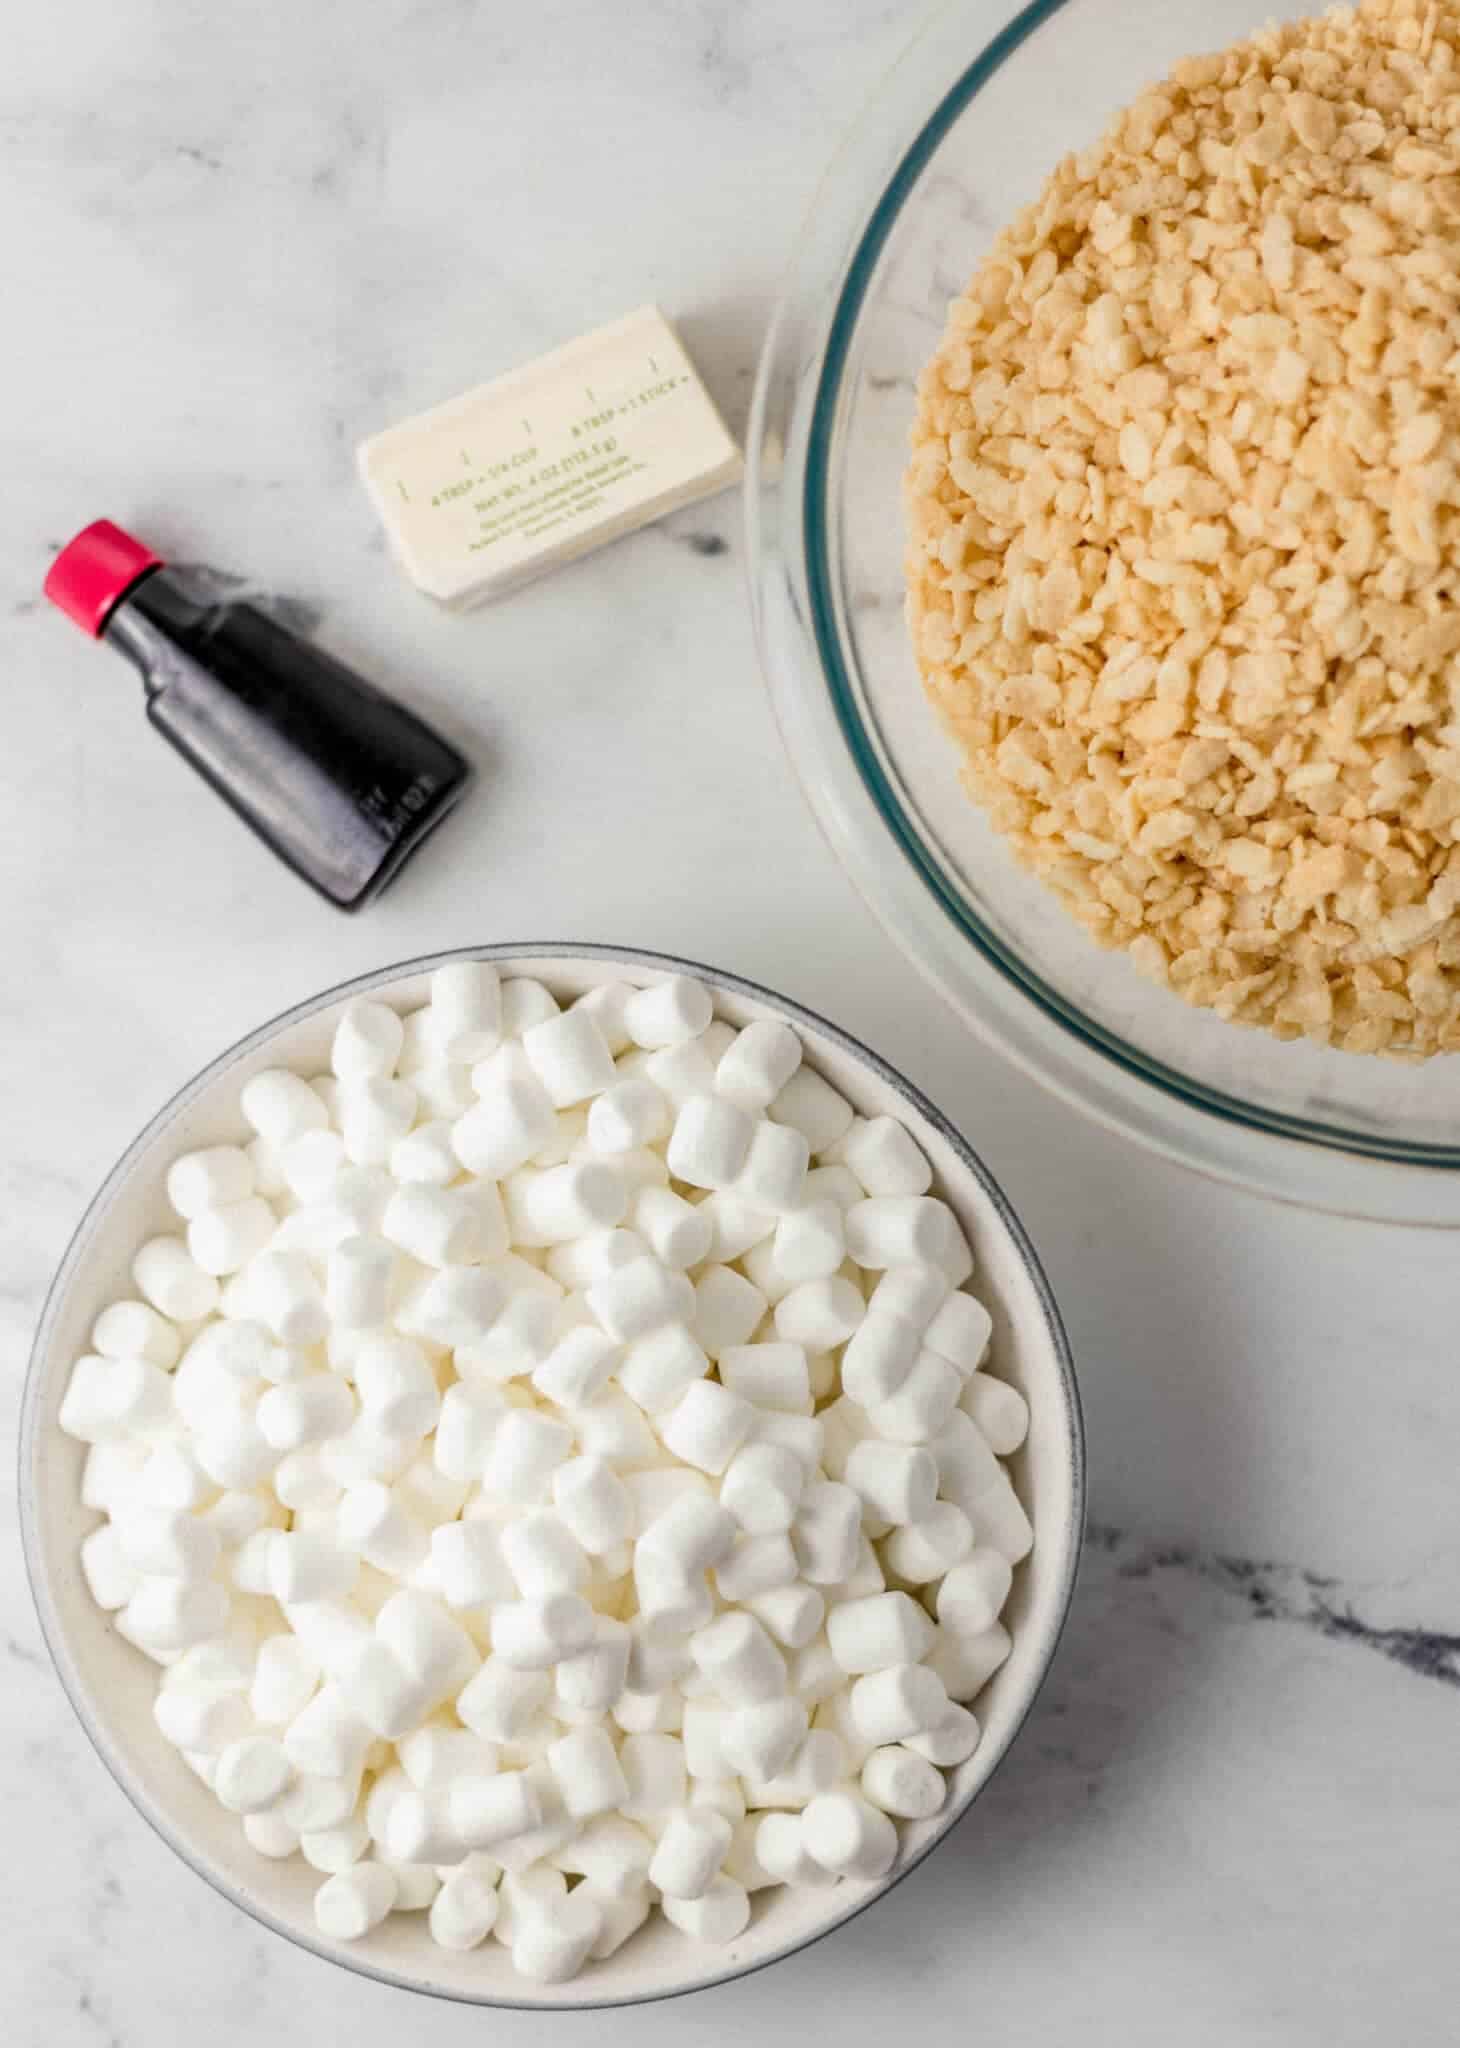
<point>404,493</point>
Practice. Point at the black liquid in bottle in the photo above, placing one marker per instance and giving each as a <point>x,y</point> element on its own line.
<point>340,780</point>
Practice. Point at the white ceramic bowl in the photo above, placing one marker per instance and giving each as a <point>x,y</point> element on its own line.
<point>111,1685</point>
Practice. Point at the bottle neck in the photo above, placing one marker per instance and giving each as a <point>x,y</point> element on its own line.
<point>151,622</point>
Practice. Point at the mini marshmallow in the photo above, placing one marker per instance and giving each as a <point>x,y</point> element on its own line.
<point>110,1579</point>
<point>367,1041</point>
<point>660,1368</point>
<point>637,1299</point>
<point>543,1555</point>
<point>848,1836</point>
<point>809,1244</point>
<point>373,1115</point>
<point>709,1143</point>
<point>654,1767</point>
<point>513,1117</point>
<point>679,1072</point>
<point>578,1367</point>
<point>204,1721</point>
<point>171,1477</point>
<point>815,1674</point>
<point>284,1681</point>
<point>551,1947</point>
<point>960,1332</point>
<point>768,1376</point>
<point>707,1426</point>
<point>667,1012</point>
<point>589,1777</point>
<point>335,1849</point>
<point>279,1106</point>
<point>833,1184</point>
<point>167,1542</point>
<point>224,1240</point>
<point>357,1282</point>
<point>464,1911</point>
<point>433,1648</point>
<point>720,1916</point>
<point>629,1113</point>
<point>520,1338</point>
<point>270,1835</point>
<point>606,1004</point>
<point>677,1233</point>
<point>396,1386</point>
<point>212,1179</point>
<point>487,1811</point>
<point>349,1904</point>
<point>468,1564</point>
<point>899,1781</point>
<point>826,1531</point>
<point>820,1314</point>
<point>570,1057</point>
<point>464,1021</point>
<point>879,1356</point>
<point>443,1226</point>
<point>525,1002</point>
<point>130,1329</point>
<point>813,1107</point>
<point>951,1742</point>
<point>998,1411</point>
<point>689,1852</point>
<point>253,1775</point>
<point>286,1297</point>
<point>304,1567</point>
<point>305,1411</point>
<point>897,1230</point>
<point>727,1309</point>
<point>591,1681</point>
<point>503,1700</point>
<point>526,1449</point>
<point>594,1503</point>
<point>426,1153</point>
<point>913,1293</point>
<point>465,1427</point>
<point>614,1429</point>
<point>922,1404</point>
<point>757,1065</point>
<point>884,1156</point>
<point>109,1398</point>
<point>901,1700</point>
<point>971,1595</point>
<point>924,1550</point>
<point>781,1851</point>
<point>791,1614</point>
<point>534,1634</point>
<point>310,1164</point>
<point>762,1488</point>
<point>738,1657</point>
<point>735,1227</point>
<point>818,1764</point>
<point>876,1633</point>
<point>172,1281</point>
<point>761,1741</point>
<point>555,1203</point>
<point>373,1523</point>
<point>649,1713</point>
<point>802,1435</point>
<point>758,1564</point>
<point>773,1175</point>
<point>896,1482</point>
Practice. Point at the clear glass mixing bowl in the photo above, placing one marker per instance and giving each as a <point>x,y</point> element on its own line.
<point>961,134</point>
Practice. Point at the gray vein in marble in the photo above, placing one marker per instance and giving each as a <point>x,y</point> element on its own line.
<point>1273,1591</point>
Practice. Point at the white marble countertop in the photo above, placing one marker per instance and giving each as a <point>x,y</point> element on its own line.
<point>236,239</point>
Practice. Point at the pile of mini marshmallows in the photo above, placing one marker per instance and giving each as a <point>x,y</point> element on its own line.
<point>547,1493</point>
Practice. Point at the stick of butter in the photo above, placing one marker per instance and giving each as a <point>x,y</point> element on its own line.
<point>530,471</point>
